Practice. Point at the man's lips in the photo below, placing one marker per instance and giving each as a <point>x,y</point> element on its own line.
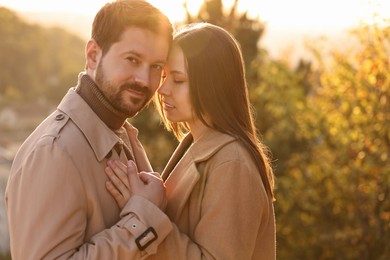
<point>136,93</point>
<point>136,90</point>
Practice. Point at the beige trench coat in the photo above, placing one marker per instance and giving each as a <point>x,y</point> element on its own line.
<point>218,203</point>
<point>57,204</point>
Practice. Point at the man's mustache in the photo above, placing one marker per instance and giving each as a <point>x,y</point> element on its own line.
<point>136,87</point>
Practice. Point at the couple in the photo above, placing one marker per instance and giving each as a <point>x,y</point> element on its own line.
<point>81,185</point>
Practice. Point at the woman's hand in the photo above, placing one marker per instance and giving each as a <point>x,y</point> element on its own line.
<point>125,181</point>
<point>118,184</point>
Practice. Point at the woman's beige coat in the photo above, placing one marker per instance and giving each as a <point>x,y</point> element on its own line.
<point>218,203</point>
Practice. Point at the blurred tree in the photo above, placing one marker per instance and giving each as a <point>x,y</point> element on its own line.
<point>278,96</point>
<point>335,195</point>
<point>15,52</point>
<point>37,62</point>
<point>247,31</point>
<point>326,125</point>
<point>64,55</point>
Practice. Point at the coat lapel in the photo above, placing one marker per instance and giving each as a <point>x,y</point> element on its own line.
<point>179,186</point>
<point>181,173</point>
<point>141,158</point>
<point>176,156</point>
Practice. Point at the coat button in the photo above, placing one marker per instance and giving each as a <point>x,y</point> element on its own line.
<point>60,117</point>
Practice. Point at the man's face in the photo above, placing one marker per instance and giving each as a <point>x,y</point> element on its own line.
<point>130,72</point>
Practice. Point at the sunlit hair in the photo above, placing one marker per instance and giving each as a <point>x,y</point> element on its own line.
<point>218,89</point>
<point>115,17</point>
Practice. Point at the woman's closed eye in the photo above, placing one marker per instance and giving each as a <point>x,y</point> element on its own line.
<point>178,79</point>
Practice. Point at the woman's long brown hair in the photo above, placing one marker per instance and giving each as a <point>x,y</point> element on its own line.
<point>218,89</point>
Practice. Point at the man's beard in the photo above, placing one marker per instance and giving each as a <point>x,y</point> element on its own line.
<point>113,94</point>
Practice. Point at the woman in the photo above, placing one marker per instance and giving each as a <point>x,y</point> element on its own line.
<point>219,182</point>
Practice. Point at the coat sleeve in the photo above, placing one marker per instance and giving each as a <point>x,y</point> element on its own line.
<point>47,212</point>
<point>231,213</point>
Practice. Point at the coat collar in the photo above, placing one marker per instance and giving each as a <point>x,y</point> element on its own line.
<point>100,137</point>
<point>210,142</point>
<point>182,171</point>
<point>205,147</point>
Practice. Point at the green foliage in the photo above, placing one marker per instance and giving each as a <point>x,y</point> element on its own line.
<point>326,125</point>
<point>335,195</point>
<point>37,61</point>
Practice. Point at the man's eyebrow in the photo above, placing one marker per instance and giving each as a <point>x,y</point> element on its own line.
<point>134,53</point>
<point>163,62</point>
<point>139,55</point>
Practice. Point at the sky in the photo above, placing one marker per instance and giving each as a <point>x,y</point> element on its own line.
<point>284,19</point>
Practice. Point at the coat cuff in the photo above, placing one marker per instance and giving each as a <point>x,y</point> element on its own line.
<point>147,223</point>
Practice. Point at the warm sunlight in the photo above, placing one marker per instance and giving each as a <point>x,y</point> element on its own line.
<point>174,8</point>
<point>287,22</point>
<point>313,77</point>
<point>298,14</point>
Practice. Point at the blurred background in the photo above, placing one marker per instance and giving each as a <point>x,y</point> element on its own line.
<point>319,81</point>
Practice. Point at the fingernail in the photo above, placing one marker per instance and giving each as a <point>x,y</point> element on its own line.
<point>130,164</point>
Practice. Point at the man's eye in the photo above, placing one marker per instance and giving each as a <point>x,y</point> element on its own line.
<point>157,67</point>
<point>133,60</point>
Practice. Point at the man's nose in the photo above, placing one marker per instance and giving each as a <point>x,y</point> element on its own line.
<point>142,76</point>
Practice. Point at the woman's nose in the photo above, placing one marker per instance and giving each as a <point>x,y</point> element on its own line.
<point>163,89</point>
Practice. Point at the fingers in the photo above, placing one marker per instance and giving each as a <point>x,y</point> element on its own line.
<point>156,174</point>
<point>118,184</point>
<point>147,177</point>
<point>154,188</point>
<point>121,166</point>
<point>120,200</point>
<point>125,181</point>
<point>120,171</point>
<point>132,172</point>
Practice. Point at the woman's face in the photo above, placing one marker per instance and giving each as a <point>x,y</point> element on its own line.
<point>175,91</point>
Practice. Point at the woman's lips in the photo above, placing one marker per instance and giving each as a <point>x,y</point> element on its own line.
<point>168,106</point>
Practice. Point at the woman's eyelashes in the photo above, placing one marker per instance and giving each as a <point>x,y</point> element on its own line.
<point>178,81</point>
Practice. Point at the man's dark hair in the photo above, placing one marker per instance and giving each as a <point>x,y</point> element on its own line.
<point>115,17</point>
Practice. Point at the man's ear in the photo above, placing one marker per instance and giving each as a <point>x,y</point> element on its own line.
<point>92,54</point>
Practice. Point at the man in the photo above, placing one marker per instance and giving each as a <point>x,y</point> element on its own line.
<point>56,199</point>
